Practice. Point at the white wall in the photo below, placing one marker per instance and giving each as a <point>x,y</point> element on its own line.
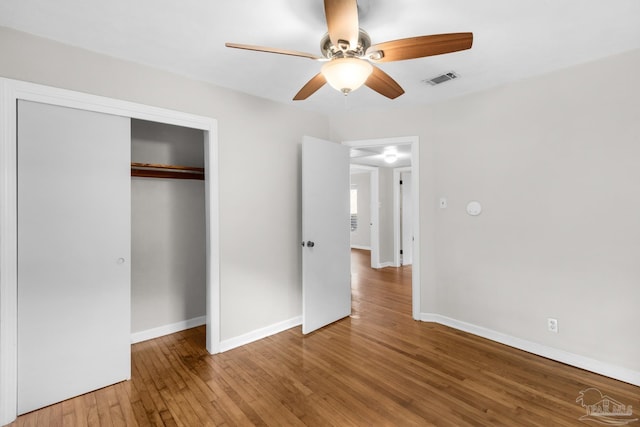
<point>554,160</point>
<point>259,140</point>
<point>168,248</point>
<point>361,236</point>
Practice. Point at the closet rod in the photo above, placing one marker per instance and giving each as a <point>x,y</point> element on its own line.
<point>153,170</point>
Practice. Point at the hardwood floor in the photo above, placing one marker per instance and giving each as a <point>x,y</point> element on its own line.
<point>378,367</point>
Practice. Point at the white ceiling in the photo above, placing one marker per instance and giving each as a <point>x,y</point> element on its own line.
<point>513,39</point>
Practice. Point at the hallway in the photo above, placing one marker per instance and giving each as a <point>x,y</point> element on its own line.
<point>378,292</point>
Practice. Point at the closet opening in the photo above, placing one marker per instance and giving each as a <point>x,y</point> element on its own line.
<point>168,229</point>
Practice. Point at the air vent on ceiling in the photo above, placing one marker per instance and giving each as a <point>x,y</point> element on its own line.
<point>442,78</point>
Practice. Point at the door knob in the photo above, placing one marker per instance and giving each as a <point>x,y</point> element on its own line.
<point>310,244</point>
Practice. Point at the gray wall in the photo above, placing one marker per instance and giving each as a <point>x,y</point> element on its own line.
<point>554,160</point>
<point>386,215</point>
<point>168,248</point>
<point>259,167</point>
<point>361,237</point>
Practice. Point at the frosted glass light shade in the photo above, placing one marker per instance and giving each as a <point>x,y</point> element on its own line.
<point>346,74</point>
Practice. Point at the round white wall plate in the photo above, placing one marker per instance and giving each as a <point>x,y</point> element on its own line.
<point>474,208</point>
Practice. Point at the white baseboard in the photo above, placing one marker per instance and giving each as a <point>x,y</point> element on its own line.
<point>385,264</point>
<point>161,331</point>
<point>259,334</point>
<point>582,362</point>
<point>364,248</point>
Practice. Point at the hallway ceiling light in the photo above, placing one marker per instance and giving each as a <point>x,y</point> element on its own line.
<point>390,157</point>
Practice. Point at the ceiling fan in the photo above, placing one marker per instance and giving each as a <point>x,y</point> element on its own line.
<point>349,55</point>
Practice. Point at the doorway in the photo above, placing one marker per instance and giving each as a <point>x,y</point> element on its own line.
<point>384,155</point>
<point>168,226</point>
<point>365,232</point>
<point>403,236</point>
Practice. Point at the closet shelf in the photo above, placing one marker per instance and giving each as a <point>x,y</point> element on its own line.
<point>152,170</point>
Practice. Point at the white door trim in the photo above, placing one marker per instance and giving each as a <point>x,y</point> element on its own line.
<point>10,92</point>
<point>374,211</point>
<point>397,220</point>
<point>415,192</point>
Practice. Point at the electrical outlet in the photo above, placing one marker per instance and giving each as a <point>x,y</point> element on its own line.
<point>552,325</point>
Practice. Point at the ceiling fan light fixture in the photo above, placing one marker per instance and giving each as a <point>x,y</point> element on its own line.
<point>346,74</point>
<point>348,48</point>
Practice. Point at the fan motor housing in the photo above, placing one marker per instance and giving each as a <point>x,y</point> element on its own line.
<point>330,51</point>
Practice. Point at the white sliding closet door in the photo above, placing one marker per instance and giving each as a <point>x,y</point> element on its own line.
<point>73,252</point>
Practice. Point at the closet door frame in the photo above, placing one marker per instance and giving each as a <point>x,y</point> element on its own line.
<point>10,92</point>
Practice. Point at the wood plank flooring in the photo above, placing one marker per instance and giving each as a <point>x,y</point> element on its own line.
<point>378,367</point>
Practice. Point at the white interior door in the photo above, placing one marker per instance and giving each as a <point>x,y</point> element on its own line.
<point>326,256</point>
<point>407,219</point>
<point>73,252</point>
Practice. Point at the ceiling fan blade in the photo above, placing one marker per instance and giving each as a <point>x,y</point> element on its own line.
<point>382,83</point>
<point>311,87</point>
<point>274,50</point>
<point>418,47</point>
<point>342,21</point>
